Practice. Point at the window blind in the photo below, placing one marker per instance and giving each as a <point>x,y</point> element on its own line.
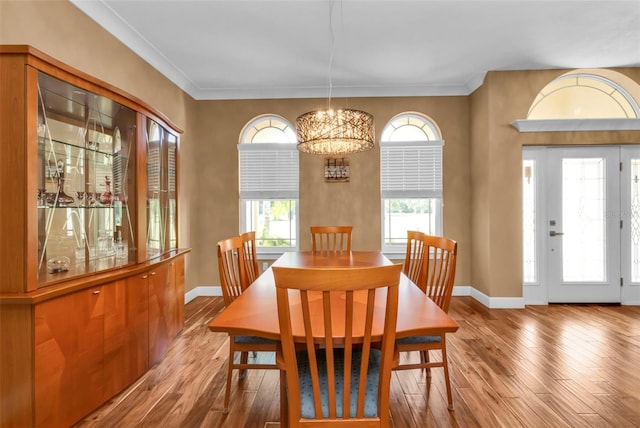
<point>268,171</point>
<point>411,169</point>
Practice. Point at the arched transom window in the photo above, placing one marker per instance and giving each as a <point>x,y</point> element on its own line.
<point>579,95</point>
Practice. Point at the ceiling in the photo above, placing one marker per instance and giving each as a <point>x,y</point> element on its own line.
<point>253,49</point>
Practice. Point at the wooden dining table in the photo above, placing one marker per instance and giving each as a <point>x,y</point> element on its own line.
<point>255,311</point>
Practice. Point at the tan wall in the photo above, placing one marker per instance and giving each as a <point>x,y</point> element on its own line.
<point>356,202</point>
<point>496,172</point>
<point>480,202</point>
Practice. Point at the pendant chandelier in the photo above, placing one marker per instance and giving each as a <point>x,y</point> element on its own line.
<point>334,131</point>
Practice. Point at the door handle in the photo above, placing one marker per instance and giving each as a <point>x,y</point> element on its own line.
<point>554,233</point>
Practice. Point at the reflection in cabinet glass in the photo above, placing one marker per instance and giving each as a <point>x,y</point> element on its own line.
<point>86,176</point>
<point>162,148</point>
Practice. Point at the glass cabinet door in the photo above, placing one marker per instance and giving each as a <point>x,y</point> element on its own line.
<point>86,178</point>
<point>162,149</point>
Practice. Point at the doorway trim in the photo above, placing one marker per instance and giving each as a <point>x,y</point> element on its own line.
<point>536,292</point>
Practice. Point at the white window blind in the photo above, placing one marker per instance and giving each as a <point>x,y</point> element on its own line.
<point>268,171</point>
<point>411,169</point>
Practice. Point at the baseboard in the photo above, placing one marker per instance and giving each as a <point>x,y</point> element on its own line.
<point>462,290</point>
<point>203,290</point>
<point>497,302</point>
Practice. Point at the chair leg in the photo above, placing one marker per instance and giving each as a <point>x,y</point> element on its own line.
<point>445,366</point>
<point>424,358</point>
<point>284,402</point>
<point>244,358</point>
<point>227,392</point>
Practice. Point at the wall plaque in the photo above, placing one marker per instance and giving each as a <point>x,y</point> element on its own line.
<point>336,170</point>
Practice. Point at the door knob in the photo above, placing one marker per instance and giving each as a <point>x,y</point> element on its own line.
<point>554,233</point>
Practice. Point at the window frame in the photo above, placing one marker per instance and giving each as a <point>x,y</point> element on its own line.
<point>424,188</point>
<point>280,157</point>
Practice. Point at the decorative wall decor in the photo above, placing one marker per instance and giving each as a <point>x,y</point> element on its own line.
<point>336,170</point>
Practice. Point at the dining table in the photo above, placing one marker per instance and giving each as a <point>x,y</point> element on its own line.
<point>255,311</point>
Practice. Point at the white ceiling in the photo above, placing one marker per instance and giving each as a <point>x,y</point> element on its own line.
<point>251,49</point>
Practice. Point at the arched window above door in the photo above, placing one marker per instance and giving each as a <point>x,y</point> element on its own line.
<point>584,100</point>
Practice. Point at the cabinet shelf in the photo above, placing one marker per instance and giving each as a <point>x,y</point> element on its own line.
<point>87,147</point>
<point>81,207</point>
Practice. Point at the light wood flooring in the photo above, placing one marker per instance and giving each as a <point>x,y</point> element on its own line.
<point>543,366</point>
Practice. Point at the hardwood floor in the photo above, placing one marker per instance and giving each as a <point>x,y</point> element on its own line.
<point>543,366</point>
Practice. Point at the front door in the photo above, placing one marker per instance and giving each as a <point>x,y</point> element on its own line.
<point>583,226</point>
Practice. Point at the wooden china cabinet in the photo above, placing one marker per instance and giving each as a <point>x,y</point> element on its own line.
<point>91,275</point>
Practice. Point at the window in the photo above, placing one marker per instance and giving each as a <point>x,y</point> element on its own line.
<point>529,204</point>
<point>584,100</point>
<point>269,183</point>
<point>411,179</point>
<point>583,96</point>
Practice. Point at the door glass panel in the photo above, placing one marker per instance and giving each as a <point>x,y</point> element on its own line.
<point>529,268</point>
<point>86,177</point>
<point>583,217</point>
<point>635,220</point>
<point>162,150</point>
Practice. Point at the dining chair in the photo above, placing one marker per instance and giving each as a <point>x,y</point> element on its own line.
<point>250,258</point>
<point>331,238</point>
<point>436,280</point>
<point>336,371</point>
<point>414,256</point>
<point>231,266</point>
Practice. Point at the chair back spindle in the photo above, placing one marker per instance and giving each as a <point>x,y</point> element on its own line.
<point>231,267</point>
<point>250,258</point>
<point>440,269</point>
<point>331,238</point>
<point>414,263</point>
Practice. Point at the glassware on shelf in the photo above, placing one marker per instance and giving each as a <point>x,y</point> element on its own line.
<point>120,248</point>
<point>106,197</point>
<point>42,197</point>
<point>63,199</point>
<point>80,253</point>
<point>105,244</point>
<point>59,198</point>
<point>58,264</point>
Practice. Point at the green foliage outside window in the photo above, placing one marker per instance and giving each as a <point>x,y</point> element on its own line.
<point>410,206</point>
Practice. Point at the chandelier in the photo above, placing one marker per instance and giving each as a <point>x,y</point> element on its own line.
<point>335,132</point>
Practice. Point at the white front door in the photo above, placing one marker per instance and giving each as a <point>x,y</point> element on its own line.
<point>630,208</point>
<point>583,225</point>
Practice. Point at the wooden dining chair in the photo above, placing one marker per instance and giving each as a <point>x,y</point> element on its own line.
<point>337,372</point>
<point>331,238</point>
<point>436,280</point>
<point>231,266</point>
<point>414,256</point>
<point>250,258</point>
